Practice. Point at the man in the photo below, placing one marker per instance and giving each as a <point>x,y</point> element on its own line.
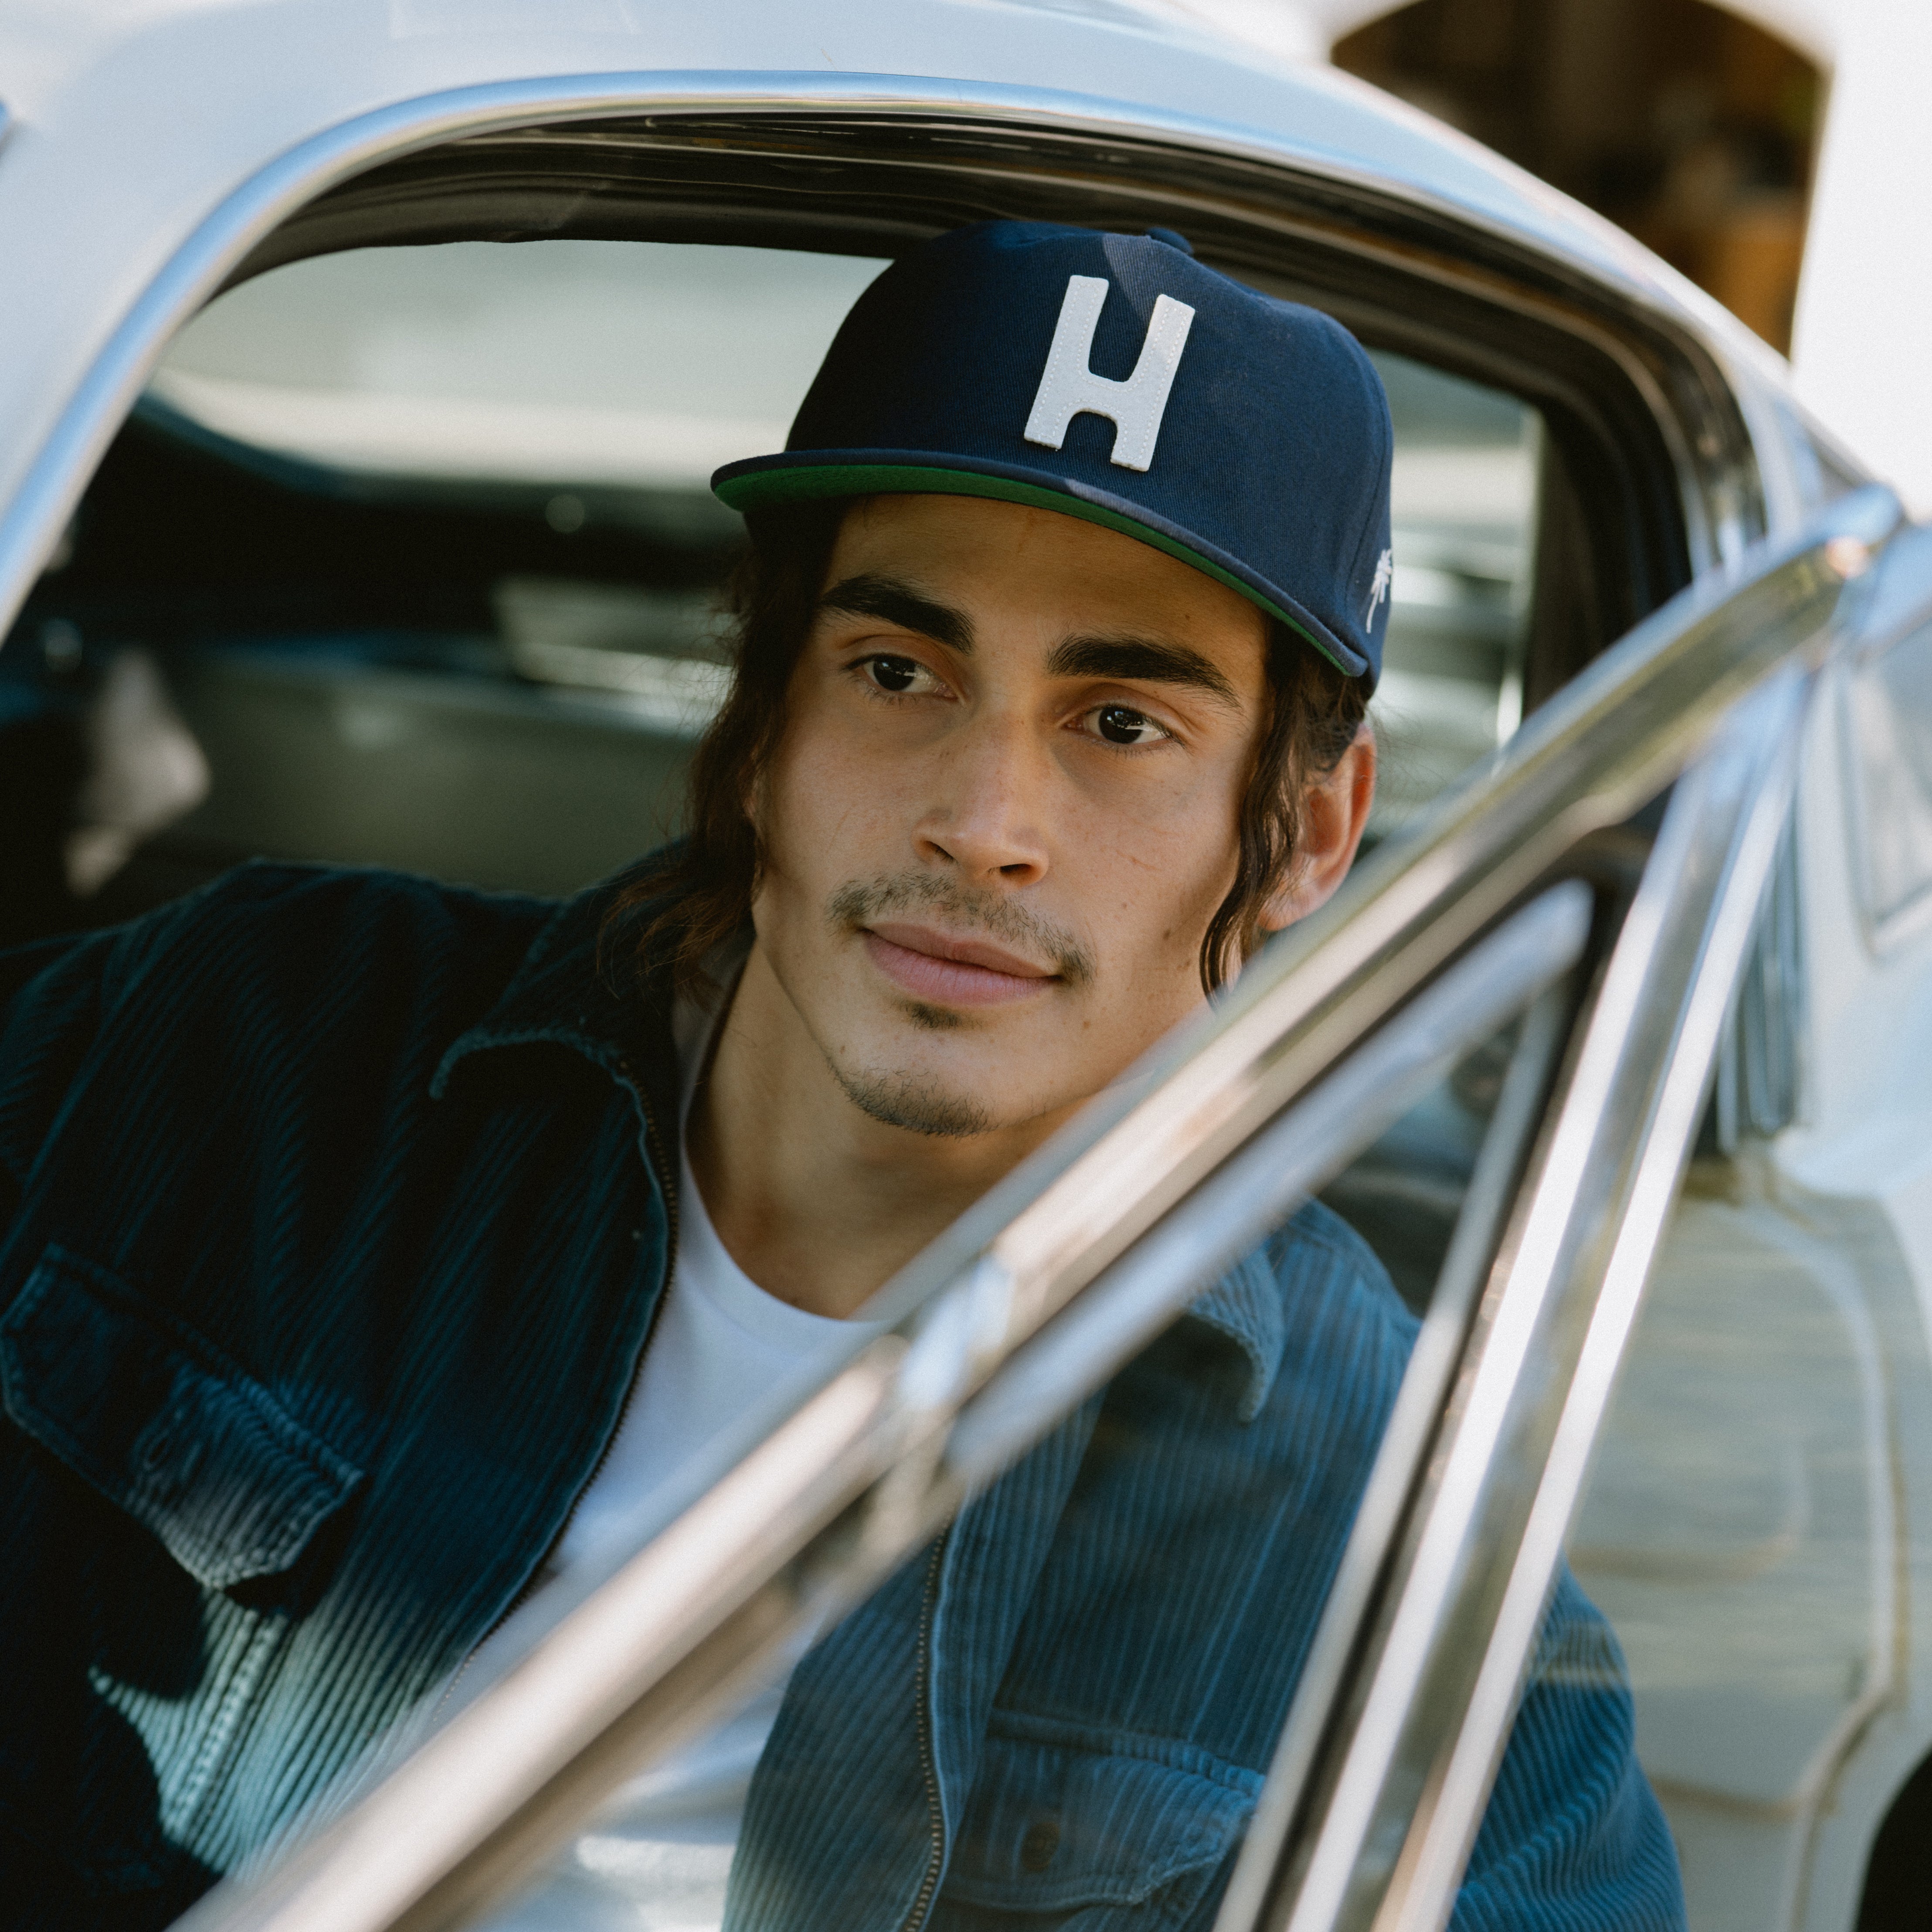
<point>371,1246</point>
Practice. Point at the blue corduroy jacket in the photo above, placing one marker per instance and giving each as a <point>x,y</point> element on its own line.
<point>334,1209</point>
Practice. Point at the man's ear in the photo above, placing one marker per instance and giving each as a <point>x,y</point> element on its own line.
<point>1334,813</point>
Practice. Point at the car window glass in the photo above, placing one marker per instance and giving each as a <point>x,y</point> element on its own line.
<point>633,367</point>
<point>419,544</point>
<point>1464,491</point>
<point>1888,710</point>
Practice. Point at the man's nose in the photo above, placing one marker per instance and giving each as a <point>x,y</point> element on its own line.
<point>986,814</point>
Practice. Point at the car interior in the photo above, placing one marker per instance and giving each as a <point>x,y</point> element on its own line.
<point>420,540</point>
<point>406,557</point>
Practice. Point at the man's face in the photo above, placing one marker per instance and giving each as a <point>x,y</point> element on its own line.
<point>1005,806</point>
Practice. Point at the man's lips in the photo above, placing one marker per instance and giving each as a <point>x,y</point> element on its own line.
<point>945,971</point>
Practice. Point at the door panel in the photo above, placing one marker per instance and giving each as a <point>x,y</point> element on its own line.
<point>1739,1532</point>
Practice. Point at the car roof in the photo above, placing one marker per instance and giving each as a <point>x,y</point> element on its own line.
<point>132,120</point>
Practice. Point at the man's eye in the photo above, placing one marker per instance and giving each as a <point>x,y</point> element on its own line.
<point>1119,725</point>
<point>895,674</point>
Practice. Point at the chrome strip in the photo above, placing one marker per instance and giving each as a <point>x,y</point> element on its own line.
<point>1730,815</point>
<point>1760,1060</point>
<point>514,1770</point>
<point>1360,1580</point>
<point>51,489</point>
<point>1378,1835</point>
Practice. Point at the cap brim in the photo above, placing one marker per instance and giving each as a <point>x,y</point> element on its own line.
<point>801,475</point>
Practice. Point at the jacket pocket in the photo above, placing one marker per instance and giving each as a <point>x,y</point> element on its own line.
<point>161,1422</point>
<point>1064,1819</point>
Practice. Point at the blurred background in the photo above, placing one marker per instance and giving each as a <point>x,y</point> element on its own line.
<point>1775,152</point>
<point>1695,128</point>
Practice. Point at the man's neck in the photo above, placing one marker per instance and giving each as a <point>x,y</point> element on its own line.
<point>816,1201</point>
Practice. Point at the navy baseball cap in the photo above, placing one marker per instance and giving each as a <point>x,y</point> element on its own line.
<point>1114,378</point>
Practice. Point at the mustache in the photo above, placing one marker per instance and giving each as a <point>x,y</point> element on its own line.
<point>862,901</point>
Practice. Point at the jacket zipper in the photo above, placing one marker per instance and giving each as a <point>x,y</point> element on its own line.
<point>929,1768</point>
<point>660,1167</point>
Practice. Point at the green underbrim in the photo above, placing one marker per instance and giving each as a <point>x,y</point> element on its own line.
<point>760,488</point>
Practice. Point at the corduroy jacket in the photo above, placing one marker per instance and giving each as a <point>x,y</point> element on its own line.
<point>334,1209</point>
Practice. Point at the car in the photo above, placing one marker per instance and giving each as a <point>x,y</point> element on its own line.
<point>364,369</point>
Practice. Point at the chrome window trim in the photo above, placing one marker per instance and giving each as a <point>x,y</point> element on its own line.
<point>1718,493</point>
<point>869,1468</point>
<point>1357,1592</point>
<point>1383,1838</point>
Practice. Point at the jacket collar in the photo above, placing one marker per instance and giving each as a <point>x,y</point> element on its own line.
<point>577,989</point>
<point>571,991</point>
<point>1245,1306</point>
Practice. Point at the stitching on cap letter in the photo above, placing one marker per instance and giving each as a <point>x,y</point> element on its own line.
<point>1068,388</point>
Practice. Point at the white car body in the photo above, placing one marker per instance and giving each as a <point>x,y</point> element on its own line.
<point>148,144</point>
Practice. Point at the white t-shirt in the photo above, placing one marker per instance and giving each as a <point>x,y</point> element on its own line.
<point>657,1857</point>
<point>721,1345</point>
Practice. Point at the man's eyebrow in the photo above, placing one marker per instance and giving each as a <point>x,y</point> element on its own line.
<point>896,601</point>
<point>1146,659</point>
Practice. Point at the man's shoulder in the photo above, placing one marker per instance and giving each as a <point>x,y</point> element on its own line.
<point>302,923</point>
<point>1315,1229</point>
<point>294,889</point>
<point>272,955</point>
<point>1310,1309</point>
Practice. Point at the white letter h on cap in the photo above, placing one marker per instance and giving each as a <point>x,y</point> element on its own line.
<point>1068,388</point>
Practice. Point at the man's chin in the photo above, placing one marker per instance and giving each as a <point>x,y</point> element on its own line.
<point>931,1019</point>
<point>917,1103</point>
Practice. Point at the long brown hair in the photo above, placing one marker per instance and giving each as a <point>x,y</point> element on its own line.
<point>696,894</point>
